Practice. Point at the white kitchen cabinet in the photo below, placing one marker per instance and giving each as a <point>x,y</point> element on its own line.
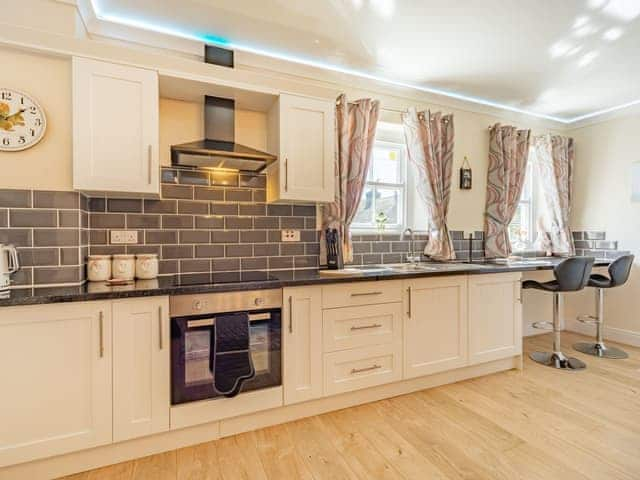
<point>302,344</point>
<point>115,128</point>
<point>55,378</point>
<point>301,134</point>
<point>141,366</point>
<point>435,329</point>
<point>495,317</point>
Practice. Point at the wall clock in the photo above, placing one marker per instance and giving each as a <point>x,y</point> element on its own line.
<point>22,121</point>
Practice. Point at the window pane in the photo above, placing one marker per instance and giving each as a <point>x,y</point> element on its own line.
<point>365,209</point>
<point>519,228</point>
<point>386,164</point>
<point>526,188</point>
<point>388,202</point>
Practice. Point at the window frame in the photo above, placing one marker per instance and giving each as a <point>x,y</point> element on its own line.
<point>362,228</point>
<point>533,201</point>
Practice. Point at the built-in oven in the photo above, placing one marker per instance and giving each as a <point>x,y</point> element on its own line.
<point>193,323</point>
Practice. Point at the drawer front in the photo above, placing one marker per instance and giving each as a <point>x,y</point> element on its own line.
<point>361,368</point>
<point>361,293</point>
<point>353,327</point>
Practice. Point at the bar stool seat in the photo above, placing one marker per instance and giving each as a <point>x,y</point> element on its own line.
<point>619,271</point>
<point>571,275</point>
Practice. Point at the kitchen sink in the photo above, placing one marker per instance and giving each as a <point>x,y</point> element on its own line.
<point>522,262</point>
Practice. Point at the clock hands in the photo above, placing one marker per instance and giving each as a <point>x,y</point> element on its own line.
<point>7,122</point>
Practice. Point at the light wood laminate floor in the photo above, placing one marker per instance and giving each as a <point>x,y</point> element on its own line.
<point>535,424</point>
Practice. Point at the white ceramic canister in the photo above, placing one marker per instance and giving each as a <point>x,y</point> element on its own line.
<point>99,268</point>
<point>146,266</point>
<point>123,267</point>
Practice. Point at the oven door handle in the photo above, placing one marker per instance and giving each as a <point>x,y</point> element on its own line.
<point>208,322</point>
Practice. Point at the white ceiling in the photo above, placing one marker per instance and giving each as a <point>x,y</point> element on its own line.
<point>562,58</point>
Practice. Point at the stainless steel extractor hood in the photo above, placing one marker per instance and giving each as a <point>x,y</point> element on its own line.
<point>218,149</point>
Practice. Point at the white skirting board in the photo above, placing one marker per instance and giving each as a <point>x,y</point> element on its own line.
<point>71,463</point>
<point>614,334</point>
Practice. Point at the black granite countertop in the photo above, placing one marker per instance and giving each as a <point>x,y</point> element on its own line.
<point>254,280</point>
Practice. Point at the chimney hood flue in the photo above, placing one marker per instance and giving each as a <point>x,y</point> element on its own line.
<point>218,149</point>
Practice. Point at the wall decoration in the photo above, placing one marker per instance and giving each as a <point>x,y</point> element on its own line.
<point>22,121</point>
<point>465,175</point>
<point>635,182</point>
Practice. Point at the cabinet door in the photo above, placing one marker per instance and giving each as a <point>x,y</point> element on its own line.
<point>115,128</point>
<point>56,379</point>
<point>302,344</point>
<point>495,317</point>
<point>435,332</point>
<point>307,149</point>
<point>141,366</point>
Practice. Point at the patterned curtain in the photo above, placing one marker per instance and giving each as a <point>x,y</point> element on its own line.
<point>430,148</point>
<point>555,156</point>
<point>508,154</point>
<point>355,132</point>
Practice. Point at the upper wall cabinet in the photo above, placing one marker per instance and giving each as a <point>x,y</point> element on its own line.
<point>301,133</point>
<point>115,128</point>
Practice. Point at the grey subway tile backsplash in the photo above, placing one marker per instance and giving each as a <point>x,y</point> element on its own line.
<point>224,208</point>
<point>46,199</point>
<point>33,218</point>
<point>160,206</point>
<point>52,237</point>
<point>224,179</point>
<point>177,191</point>
<point>193,177</point>
<point>193,207</point>
<point>125,205</point>
<point>15,198</point>
<point>205,193</point>
<point>4,218</point>
<point>239,195</point>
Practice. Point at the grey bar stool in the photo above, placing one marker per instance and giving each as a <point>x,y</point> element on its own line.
<point>619,271</point>
<point>570,275</point>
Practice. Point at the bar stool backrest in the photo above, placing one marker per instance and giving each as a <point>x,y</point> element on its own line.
<point>620,269</point>
<point>573,273</point>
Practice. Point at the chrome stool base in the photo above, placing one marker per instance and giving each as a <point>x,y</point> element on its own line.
<point>600,350</point>
<point>557,360</point>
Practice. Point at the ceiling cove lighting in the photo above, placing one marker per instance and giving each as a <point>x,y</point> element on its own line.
<point>224,42</point>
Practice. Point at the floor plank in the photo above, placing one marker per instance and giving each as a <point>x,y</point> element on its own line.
<point>534,424</point>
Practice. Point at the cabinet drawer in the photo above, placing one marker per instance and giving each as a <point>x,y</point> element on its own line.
<point>352,327</point>
<point>361,368</point>
<point>361,293</point>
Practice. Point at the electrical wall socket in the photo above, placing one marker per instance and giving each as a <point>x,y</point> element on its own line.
<point>289,235</point>
<point>119,237</point>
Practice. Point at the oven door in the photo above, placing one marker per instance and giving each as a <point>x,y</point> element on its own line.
<point>191,378</point>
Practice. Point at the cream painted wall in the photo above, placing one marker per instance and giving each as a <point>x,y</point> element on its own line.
<point>47,165</point>
<point>602,201</point>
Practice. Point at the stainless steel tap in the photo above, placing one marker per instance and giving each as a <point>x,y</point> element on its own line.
<point>411,256</point>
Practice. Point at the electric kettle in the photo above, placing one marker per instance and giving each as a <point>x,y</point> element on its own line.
<point>8,265</point>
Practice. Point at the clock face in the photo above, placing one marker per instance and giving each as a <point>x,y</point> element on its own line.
<point>22,121</point>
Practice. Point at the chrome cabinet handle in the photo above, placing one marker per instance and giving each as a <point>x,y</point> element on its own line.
<point>101,333</point>
<point>160,339</point>
<point>290,314</point>
<point>286,174</point>
<point>363,327</point>
<point>409,306</point>
<point>366,369</point>
<point>364,294</point>
<point>149,162</point>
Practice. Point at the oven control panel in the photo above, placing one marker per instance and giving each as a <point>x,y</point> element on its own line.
<point>196,304</point>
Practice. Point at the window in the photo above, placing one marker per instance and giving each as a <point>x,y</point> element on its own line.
<point>389,199</point>
<point>523,227</point>
<point>384,193</point>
